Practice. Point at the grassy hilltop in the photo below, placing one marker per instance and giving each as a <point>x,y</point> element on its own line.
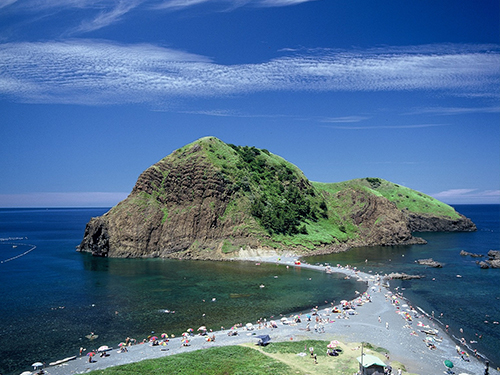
<point>208,199</point>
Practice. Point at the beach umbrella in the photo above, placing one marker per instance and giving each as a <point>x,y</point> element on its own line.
<point>333,344</point>
<point>202,328</point>
<point>103,348</point>
<point>153,338</point>
<point>185,334</point>
<point>36,365</point>
<point>90,354</point>
<point>190,330</point>
<point>448,363</point>
<point>164,335</point>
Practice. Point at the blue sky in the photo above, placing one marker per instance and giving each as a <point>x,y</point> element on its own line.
<point>94,92</point>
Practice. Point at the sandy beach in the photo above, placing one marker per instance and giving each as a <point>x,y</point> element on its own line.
<point>378,317</point>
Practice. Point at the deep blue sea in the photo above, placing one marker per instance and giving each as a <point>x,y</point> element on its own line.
<point>53,296</point>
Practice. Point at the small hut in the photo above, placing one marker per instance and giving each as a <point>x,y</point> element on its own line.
<point>371,365</point>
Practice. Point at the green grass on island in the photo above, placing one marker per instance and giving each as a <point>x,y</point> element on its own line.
<point>277,358</point>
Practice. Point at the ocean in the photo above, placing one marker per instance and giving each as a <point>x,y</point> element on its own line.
<point>53,296</point>
<point>461,294</point>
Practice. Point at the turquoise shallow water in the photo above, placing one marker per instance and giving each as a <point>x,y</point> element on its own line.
<point>53,296</point>
<point>468,304</point>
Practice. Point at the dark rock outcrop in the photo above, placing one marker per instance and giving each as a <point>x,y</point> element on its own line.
<point>402,276</point>
<point>379,220</point>
<point>466,253</point>
<point>493,261</point>
<point>430,263</point>
<point>484,264</point>
<point>494,254</point>
<point>427,223</point>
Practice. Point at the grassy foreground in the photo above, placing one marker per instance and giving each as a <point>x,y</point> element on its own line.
<point>276,358</point>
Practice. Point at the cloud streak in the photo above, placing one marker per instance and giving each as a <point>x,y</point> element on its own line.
<point>108,16</point>
<point>378,127</point>
<point>458,196</point>
<point>112,11</point>
<point>451,111</point>
<point>101,72</point>
<point>344,119</point>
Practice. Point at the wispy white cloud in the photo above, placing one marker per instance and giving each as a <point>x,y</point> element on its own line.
<point>178,4</point>
<point>344,119</point>
<point>232,4</point>
<point>112,11</point>
<point>457,196</point>
<point>279,3</point>
<point>454,110</point>
<point>91,72</point>
<point>378,127</point>
<point>108,16</point>
<point>4,3</point>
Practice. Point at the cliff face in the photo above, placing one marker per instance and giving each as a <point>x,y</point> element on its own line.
<point>428,223</point>
<point>173,210</point>
<point>208,199</point>
<point>379,221</point>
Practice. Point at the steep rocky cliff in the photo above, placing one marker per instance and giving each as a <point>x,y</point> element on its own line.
<point>209,199</point>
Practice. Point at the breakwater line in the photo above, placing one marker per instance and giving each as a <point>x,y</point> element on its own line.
<point>16,244</point>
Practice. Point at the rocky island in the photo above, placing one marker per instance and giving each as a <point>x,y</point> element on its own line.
<point>211,200</point>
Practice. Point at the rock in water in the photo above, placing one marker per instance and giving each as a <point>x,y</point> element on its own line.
<point>430,262</point>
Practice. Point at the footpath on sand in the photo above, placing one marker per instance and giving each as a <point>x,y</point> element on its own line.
<point>377,317</point>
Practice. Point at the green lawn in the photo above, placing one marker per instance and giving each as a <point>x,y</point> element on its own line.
<point>248,359</point>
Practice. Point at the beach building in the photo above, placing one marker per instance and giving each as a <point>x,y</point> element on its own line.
<point>370,365</point>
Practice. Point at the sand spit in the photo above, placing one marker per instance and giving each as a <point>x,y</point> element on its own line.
<point>379,317</point>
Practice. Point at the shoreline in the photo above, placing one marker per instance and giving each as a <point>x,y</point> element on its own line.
<point>392,332</point>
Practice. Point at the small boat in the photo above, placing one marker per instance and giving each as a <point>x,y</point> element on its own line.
<point>61,361</point>
<point>430,331</point>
